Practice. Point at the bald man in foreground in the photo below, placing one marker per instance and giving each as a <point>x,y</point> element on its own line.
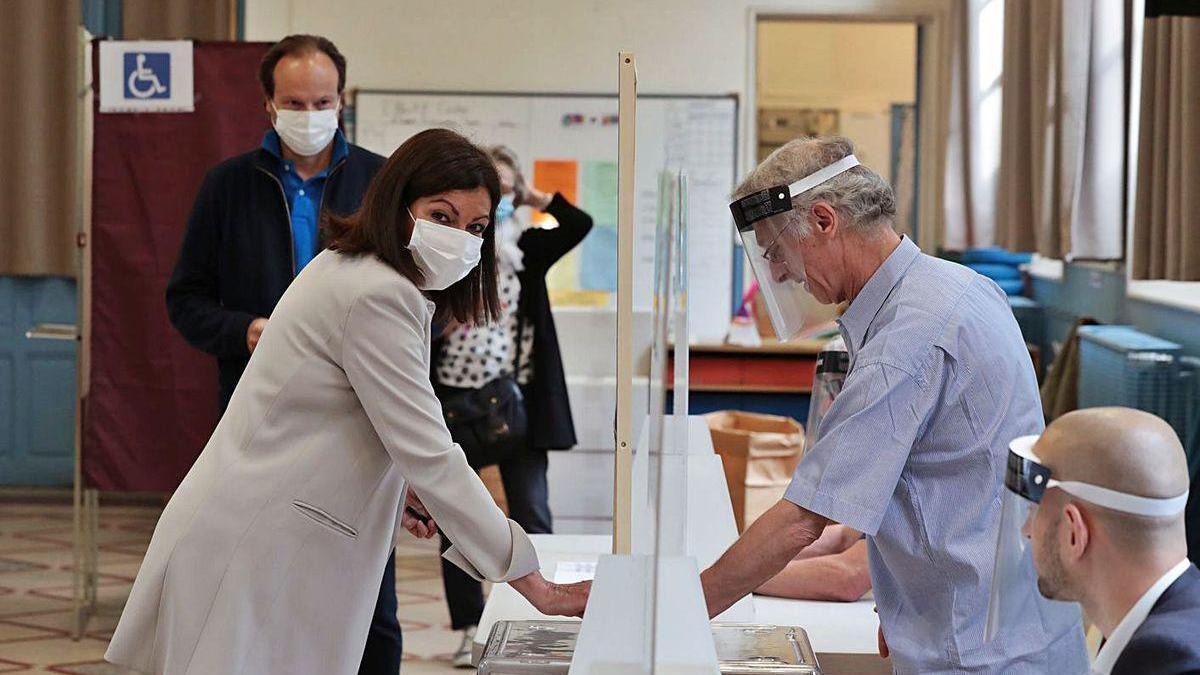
<point>1107,531</point>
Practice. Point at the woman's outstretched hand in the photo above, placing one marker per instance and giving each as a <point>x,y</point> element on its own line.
<point>416,518</point>
<point>553,599</point>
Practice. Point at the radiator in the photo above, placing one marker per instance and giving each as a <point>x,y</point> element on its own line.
<point>1032,320</point>
<point>1118,365</point>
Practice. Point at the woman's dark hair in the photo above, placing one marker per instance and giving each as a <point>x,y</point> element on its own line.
<point>299,44</point>
<point>430,163</point>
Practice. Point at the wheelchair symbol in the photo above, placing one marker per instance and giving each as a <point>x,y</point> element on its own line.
<point>143,82</point>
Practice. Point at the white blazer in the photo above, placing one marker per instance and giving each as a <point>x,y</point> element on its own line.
<point>268,557</point>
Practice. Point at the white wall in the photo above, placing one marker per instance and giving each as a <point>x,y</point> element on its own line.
<point>682,46</point>
<point>522,45</point>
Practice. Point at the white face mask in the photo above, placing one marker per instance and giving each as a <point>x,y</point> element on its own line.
<point>306,132</point>
<point>443,254</point>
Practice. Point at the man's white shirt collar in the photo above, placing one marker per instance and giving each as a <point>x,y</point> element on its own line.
<point>1133,619</point>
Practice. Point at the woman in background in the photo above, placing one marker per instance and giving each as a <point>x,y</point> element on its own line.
<point>522,345</point>
<point>267,558</point>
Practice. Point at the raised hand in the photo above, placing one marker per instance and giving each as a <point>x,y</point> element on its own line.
<point>527,195</point>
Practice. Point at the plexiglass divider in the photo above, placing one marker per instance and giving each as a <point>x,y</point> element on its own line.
<point>673,517</point>
<point>616,635</point>
<point>647,612</point>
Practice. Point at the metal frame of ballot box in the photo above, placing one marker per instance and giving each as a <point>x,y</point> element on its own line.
<point>546,647</point>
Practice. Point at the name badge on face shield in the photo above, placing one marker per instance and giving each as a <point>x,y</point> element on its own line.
<point>774,201</point>
<point>760,206</point>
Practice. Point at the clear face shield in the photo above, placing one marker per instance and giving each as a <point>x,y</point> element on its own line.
<point>1026,480</point>
<point>772,246</point>
<point>1014,578</point>
<point>833,364</point>
<point>771,240</point>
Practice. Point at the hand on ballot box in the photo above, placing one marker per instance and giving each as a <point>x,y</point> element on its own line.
<point>553,599</point>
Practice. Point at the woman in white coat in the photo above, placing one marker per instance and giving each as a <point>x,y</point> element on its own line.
<point>267,558</point>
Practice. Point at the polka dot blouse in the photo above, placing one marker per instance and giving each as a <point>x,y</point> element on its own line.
<point>472,356</point>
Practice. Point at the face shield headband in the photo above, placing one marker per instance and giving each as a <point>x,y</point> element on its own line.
<point>1028,477</point>
<point>774,201</point>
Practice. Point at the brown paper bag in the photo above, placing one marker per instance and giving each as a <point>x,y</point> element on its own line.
<point>759,452</point>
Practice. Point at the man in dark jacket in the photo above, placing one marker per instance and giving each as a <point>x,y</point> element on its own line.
<point>1108,533</point>
<point>256,224</point>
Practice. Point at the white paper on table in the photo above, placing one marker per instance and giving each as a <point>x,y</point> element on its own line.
<point>570,572</point>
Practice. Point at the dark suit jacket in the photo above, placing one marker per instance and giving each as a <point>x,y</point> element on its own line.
<point>1168,641</point>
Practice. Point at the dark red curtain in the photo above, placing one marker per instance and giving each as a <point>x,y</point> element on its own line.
<point>153,398</point>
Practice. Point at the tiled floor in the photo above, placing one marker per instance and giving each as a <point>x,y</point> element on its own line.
<point>35,592</point>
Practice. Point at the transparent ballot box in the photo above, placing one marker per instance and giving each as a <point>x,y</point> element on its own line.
<point>517,647</point>
<point>534,647</point>
<point>746,649</point>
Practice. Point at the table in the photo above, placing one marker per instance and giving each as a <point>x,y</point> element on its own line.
<point>775,378</point>
<point>842,634</point>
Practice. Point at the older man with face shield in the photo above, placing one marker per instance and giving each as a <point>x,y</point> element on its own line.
<point>912,452</point>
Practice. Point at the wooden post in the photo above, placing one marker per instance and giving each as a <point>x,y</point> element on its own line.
<point>83,587</point>
<point>626,149</point>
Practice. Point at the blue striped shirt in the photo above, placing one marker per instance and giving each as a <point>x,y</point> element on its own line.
<point>912,452</point>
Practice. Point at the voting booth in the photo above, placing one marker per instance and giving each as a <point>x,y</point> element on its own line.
<point>161,114</point>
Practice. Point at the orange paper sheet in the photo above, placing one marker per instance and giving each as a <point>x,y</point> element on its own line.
<point>555,175</point>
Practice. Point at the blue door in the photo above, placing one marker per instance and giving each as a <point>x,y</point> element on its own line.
<point>37,383</point>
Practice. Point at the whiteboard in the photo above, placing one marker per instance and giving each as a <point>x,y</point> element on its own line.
<point>695,133</point>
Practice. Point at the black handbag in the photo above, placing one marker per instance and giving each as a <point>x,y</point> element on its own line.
<point>490,423</point>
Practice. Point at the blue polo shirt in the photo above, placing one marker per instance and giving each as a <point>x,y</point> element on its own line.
<point>304,196</point>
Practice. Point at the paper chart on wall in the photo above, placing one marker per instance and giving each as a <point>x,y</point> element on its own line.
<point>598,269</point>
<point>557,136</point>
